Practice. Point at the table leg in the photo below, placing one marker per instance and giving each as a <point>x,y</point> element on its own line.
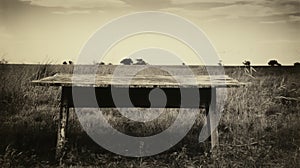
<point>62,127</point>
<point>211,119</point>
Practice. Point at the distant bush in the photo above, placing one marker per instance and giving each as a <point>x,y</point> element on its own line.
<point>127,61</point>
<point>66,62</point>
<point>274,63</point>
<point>247,63</point>
<point>3,61</point>
<point>140,62</point>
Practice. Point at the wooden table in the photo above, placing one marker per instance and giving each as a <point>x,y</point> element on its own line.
<point>140,87</point>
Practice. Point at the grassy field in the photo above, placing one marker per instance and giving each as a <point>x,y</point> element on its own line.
<point>260,124</point>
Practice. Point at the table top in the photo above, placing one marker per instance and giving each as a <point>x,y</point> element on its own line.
<point>139,81</point>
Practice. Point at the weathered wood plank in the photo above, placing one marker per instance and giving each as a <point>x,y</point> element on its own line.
<point>200,81</point>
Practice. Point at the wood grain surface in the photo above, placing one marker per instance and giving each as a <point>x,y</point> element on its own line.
<point>147,81</point>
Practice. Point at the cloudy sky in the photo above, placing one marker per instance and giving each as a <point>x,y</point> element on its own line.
<point>43,31</point>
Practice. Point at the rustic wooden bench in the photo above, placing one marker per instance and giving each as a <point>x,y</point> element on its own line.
<point>140,87</point>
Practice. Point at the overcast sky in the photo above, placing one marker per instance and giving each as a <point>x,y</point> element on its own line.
<point>42,31</point>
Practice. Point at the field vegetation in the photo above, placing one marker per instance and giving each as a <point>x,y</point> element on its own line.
<point>260,124</point>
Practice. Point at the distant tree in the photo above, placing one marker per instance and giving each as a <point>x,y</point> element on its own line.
<point>70,62</point>
<point>140,61</point>
<point>109,63</point>
<point>3,61</point>
<point>97,63</point>
<point>247,63</point>
<point>249,69</point>
<point>183,63</point>
<point>297,64</point>
<point>65,63</point>
<point>220,63</point>
<point>274,63</point>
<point>127,61</point>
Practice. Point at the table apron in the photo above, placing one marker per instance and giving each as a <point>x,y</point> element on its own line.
<point>139,97</point>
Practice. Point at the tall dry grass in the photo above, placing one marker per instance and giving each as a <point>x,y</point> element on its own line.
<point>259,125</point>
